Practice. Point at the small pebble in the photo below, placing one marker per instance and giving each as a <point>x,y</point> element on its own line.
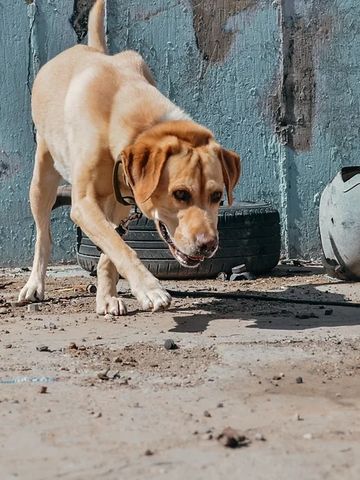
<point>260,437</point>
<point>42,348</point>
<point>230,438</point>
<point>50,325</point>
<point>222,276</point>
<point>220,405</point>
<point>239,269</point>
<point>299,380</point>
<point>207,414</point>
<point>328,311</point>
<point>9,345</point>
<point>103,375</point>
<point>298,417</point>
<point>307,436</point>
<point>43,389</point>
<point>72,346</point>
<point>149,452</point>
<point>169,344</point>
<point>242,276</point>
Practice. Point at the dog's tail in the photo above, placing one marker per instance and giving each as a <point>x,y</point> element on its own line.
<point>96,29</point>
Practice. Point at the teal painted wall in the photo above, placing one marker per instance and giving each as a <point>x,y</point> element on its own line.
<point>278,81</point>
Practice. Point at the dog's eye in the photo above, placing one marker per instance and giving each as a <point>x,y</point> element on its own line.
<point>216,197</point>
<point>182,195</point>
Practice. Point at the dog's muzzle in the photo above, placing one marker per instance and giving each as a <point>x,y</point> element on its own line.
<point>205,250</point>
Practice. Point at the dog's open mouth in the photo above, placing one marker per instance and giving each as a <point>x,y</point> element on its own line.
<point>181,257</point>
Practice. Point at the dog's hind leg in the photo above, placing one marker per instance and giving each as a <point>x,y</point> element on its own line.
<point>106,296</point>
<point>42,197</point>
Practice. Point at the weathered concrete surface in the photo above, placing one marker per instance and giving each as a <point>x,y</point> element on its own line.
<point>277,81</point>
<point>322,109</point>
<point>244,355</point>
<point>30,34</point>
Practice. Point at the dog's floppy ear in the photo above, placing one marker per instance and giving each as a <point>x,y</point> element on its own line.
<point>143,166</point>
<point>231,167</point>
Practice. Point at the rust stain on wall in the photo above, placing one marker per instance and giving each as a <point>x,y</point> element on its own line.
<point>294,99</point>
<point>80,16</point>
<point>209,22</point>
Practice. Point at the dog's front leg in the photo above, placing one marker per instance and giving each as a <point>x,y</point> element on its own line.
<point>147,289</point>
<point>107,300</point>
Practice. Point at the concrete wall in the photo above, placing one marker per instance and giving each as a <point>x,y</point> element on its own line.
<point>276,80</point>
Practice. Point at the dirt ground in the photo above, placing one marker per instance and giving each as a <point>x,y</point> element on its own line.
<point>89,397</point>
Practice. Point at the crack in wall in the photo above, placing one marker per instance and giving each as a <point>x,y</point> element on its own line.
<point>80,17</point>
<point>33,65</point>
<point>209,23</point>
<point>31,12</point>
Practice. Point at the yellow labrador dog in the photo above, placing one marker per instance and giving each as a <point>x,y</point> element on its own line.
<point>91,110</point>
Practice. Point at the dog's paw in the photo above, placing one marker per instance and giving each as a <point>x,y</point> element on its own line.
<point>108,304</point>
<point>153,299</point>
<point>33,291</point>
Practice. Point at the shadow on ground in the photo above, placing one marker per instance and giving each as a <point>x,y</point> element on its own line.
<point>270,315</point>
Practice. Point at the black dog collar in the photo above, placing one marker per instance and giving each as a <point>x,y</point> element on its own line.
<point>128,201</point>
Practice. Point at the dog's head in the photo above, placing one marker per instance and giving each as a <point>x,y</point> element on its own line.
<point>178,174</point>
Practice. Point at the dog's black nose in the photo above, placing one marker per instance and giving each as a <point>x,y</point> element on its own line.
<point>206,244</point>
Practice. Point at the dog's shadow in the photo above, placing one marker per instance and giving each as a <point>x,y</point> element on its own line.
<point>269,315</point>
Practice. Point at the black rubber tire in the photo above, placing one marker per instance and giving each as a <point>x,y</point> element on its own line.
<point>249,234</point>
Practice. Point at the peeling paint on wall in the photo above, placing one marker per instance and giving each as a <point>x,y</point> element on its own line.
<point>210,25</point>
<point>294,101</point>
<point>297,96</point>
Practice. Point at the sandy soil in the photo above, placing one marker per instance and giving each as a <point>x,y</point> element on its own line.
<point>117,405</point>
